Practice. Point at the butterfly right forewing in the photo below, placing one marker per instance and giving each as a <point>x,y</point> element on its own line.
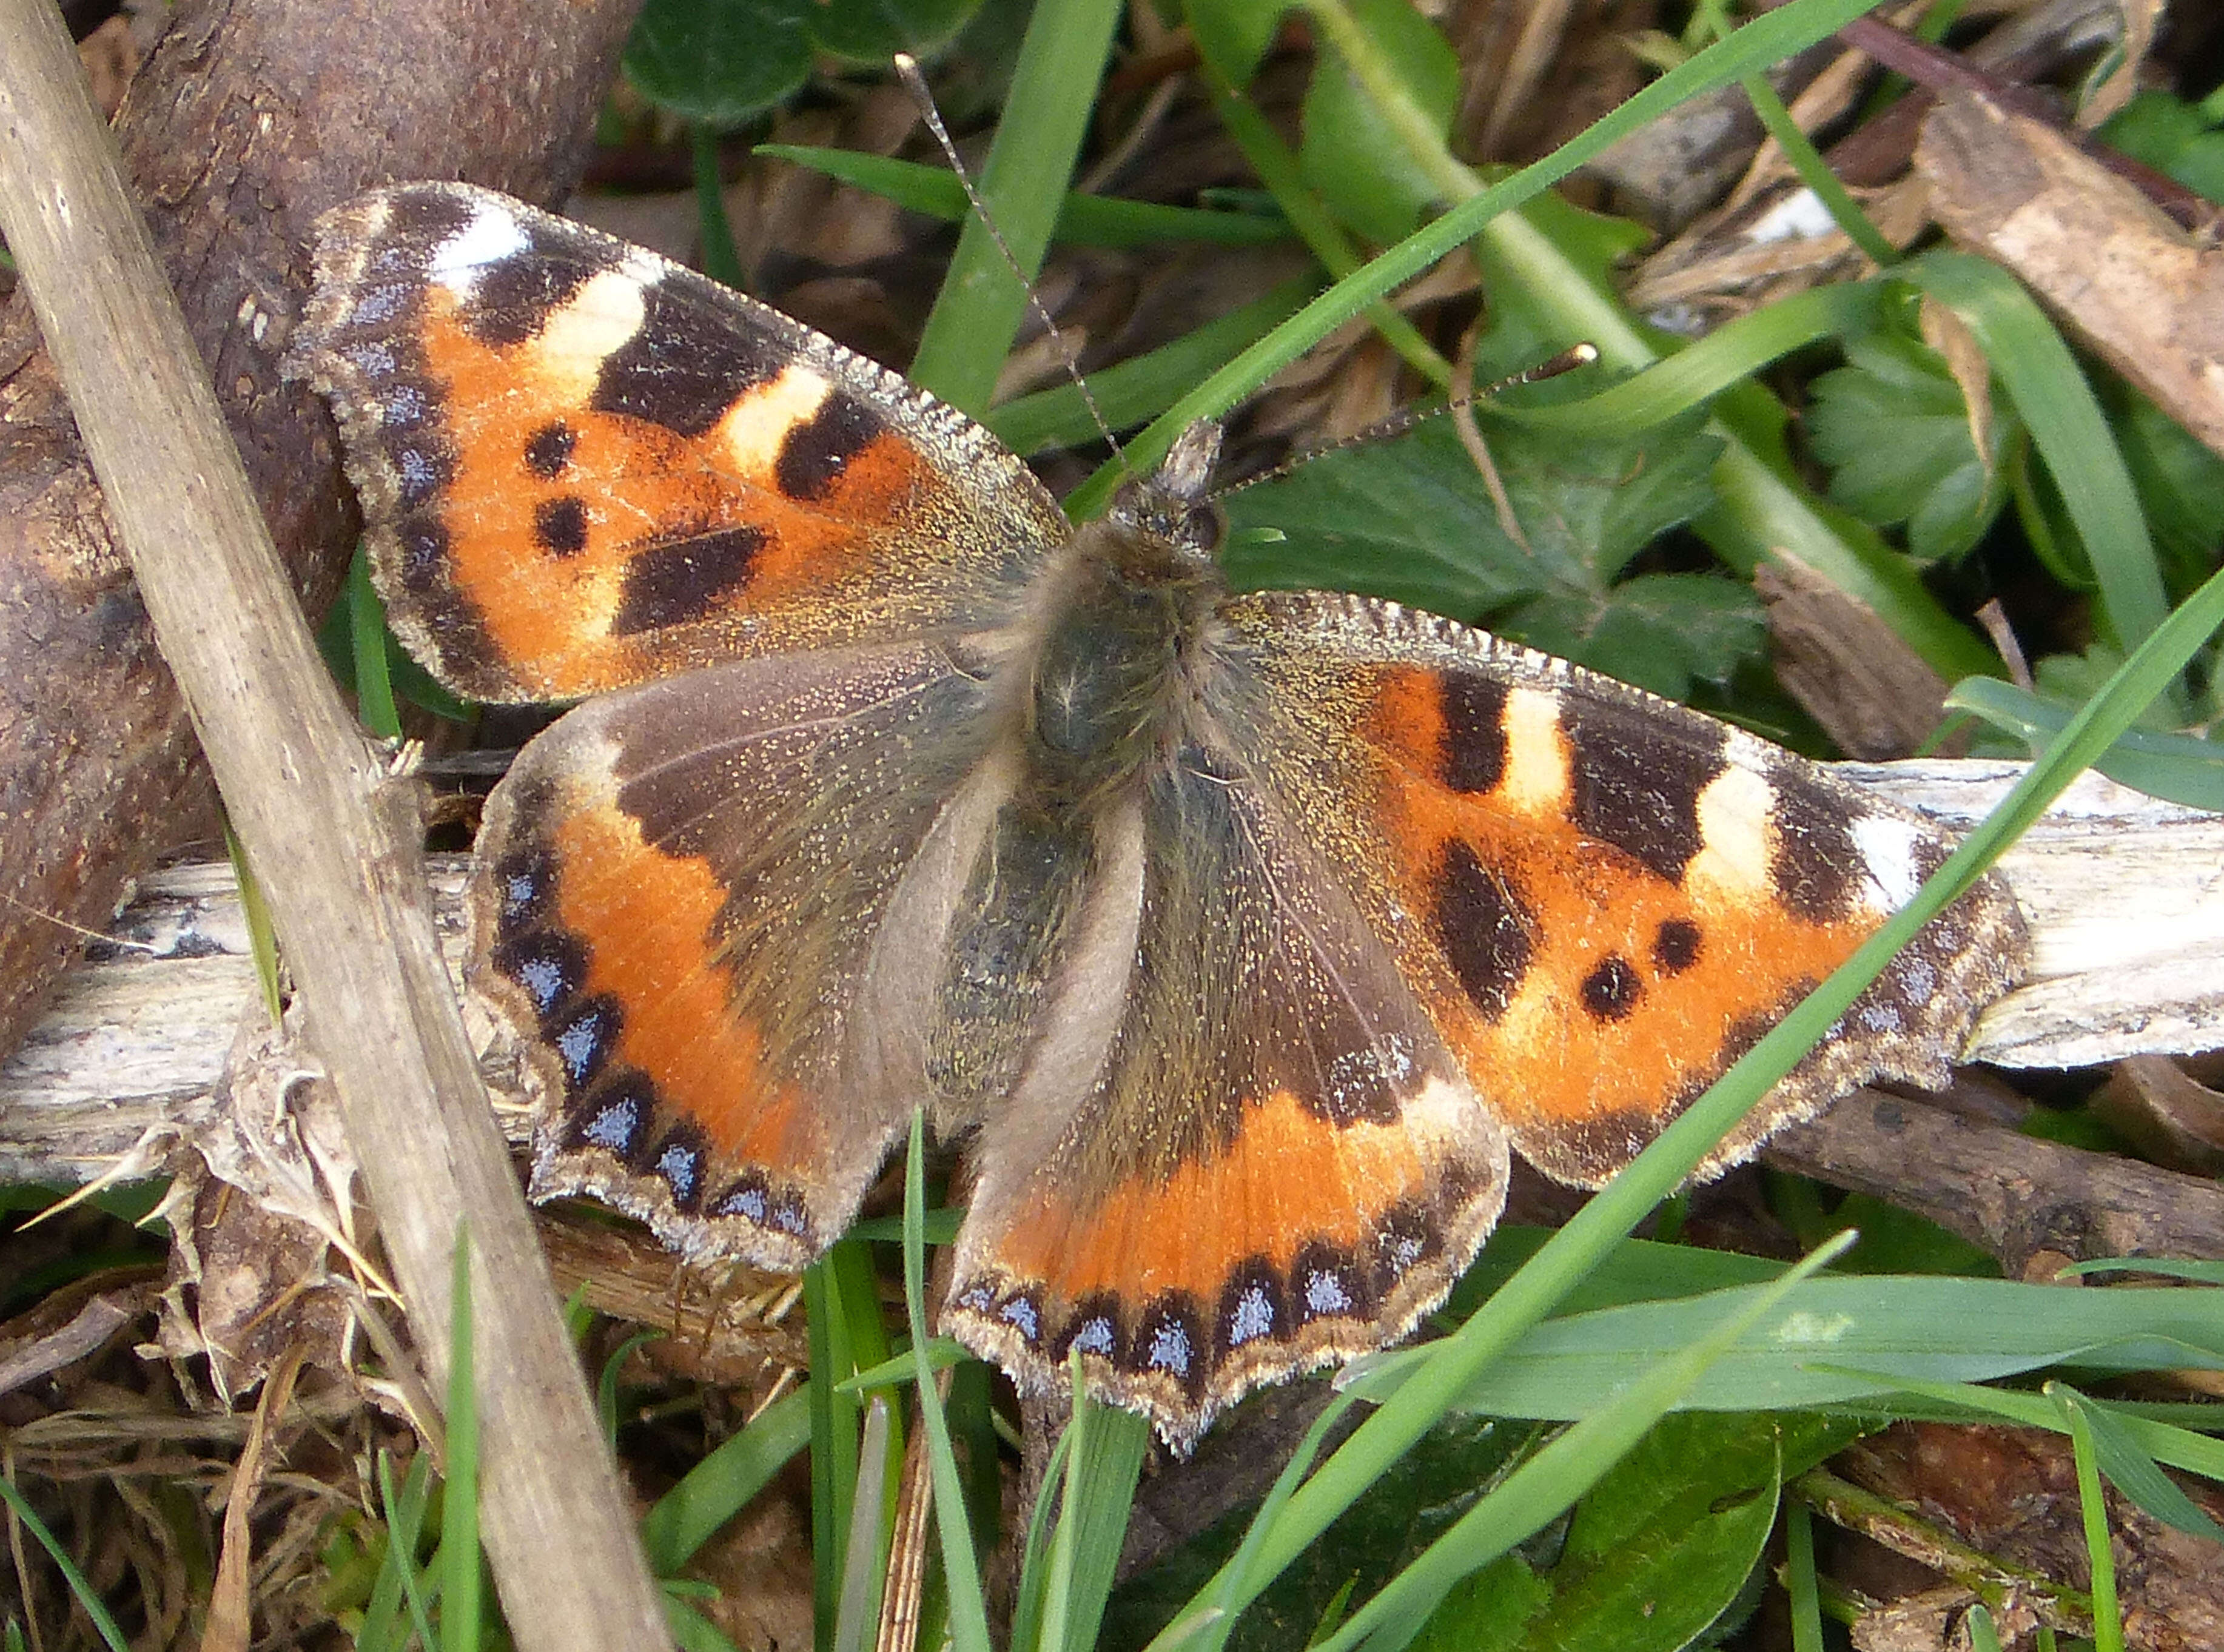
<point>1604,898</point>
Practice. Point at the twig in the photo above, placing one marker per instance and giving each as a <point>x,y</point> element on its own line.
<point>334,845</point>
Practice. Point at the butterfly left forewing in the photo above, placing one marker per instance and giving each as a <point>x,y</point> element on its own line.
<point>582,466</point>
<point>1603,899</point>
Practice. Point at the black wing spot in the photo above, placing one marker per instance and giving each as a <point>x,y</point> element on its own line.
<point>1641,795</point>
<point>559,525</point>
<point>683,369</point>
<point>1486,931</point>
<point>1611,990</point>
<point>814,454</point>
<point>1473,756</point>
<point>686,582</point>
<point>548,450</point>
<point>1675,946</point>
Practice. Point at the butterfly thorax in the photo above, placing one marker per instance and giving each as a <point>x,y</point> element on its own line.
<point>1108,683</point>
<point>1107,695</point>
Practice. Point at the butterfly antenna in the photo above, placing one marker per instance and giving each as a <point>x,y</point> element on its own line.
<point>1404,418</point>
<point>915,84</point>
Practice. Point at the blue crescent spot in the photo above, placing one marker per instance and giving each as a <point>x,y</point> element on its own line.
<point>1094,1336</point>
<point>1170,1349</point>
<point>748,1202</point>
<point>613,1126</point>
<point>679,1166</point>
<point>1254,1316</point>
<point>1325,1292</point>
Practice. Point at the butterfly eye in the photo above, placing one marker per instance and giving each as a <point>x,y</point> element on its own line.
<point>1203,528</point>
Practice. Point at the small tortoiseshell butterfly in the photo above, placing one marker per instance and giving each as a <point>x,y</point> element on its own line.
<point>1240,937</point>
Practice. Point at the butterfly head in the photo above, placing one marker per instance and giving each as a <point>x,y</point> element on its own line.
<point>1174,506</point>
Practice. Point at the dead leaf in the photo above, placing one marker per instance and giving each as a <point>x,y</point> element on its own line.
<point>2147,295</point>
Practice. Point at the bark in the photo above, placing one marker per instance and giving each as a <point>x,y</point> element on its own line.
<point>247,122</point>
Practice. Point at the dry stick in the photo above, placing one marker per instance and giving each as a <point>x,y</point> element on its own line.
<point>334,843</point>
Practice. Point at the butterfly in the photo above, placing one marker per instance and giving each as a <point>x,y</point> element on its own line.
<point>1238,939</point>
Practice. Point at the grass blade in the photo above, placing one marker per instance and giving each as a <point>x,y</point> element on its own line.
<point>1100,1494</point>
<point>968,1615</point>
<point>2072,435</point>
<point>1889,1327</point>
<point>1537,1492</point>
<point>713,1492</point>
<point>863,1579</point>
<point>977,314</point>
<point>1767,39</point>
<point>2134,1473</point>
<point>1082,220</point>
<point>2093,1504</point>
<point>78,1586</point>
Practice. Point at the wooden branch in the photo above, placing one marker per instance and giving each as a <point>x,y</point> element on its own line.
<point>334,844</point>
<point>2034,1204</point>
<point>246,122</point>
<point>2124,893</point>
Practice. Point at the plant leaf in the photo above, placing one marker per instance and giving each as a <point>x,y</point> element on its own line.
<point>1894,428</point>
<point>1367,178</point>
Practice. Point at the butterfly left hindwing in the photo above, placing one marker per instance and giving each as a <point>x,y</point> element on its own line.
<point>679,892</point>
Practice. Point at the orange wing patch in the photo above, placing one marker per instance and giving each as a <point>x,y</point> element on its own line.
<point>585,467</point>
<point>1291,1178</point>
<point>583,538</point>
<point>601,950</point>
<point>1300,1241</point>
<point>1620,905</point>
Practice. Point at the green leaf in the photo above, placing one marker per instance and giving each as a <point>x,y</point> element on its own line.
<point>874,31</point>
<point>1635,1271</point>
<point>1412,1503</point>
<point>713,1492</point>
<point>2136,1474</point>
<point>1045,116</point>
<point>1657,1550</point>
<point>2174,137</point>
<point>2180,481</point>
<point>1658,631</point>
<point>967,1605</point>
<point>2182,768</point>
<point>1894,429</point>
<point>1570,1466</point>
<point>1082,220</point>
<point>719,62</point>
<point>460,1566</point>
<point>2056,405</point>
<point>1492,1610</point>
<point>1409,519</point>
<point>88,1598</point>
<point>1898,1328</point>
<point>1367,178</point>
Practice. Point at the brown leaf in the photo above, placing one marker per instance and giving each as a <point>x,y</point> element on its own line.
<point>2147,295</point>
